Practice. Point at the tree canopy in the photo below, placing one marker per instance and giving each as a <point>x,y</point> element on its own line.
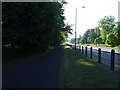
<point>107,32</point>
<point>33,25</point>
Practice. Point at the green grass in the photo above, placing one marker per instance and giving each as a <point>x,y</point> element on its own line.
<point>105,46</point>
<point>117,47</point>
<point>102,46</point>
<point>81,72</point>
<point>99,45</point>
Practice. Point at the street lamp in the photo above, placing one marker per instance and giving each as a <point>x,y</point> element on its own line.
<point>76,24</point>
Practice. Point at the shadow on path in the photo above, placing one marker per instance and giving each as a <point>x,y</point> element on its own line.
<point>41,72</point>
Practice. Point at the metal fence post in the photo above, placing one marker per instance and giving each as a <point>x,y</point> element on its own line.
<point>91,52</point>
<point>112,58</point>
<point>99,55</point>
<point>82,50</point>
<point>86,50</point>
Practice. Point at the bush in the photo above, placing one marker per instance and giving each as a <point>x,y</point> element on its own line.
<point>98,40</point>
<point>111,40</point>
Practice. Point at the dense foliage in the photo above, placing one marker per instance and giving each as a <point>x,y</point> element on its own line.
<point>107,33</point>
<point>111,39</point>
<point>33,25</point>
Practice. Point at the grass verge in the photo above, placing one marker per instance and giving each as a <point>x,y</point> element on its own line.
<point>81,72</point>
<point>105,46</point>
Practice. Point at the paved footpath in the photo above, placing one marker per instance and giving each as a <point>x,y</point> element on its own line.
<point>41,72</point>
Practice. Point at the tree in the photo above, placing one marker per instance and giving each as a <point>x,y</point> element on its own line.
<point>79,39</point>
<point>85,36</point>
<point>33,25</point>
<point>118,32</point>
<point>99,34</point>
<point>92,35</point>
<point>98,40</point>
<point>111,40</point>
<point>106,24</point>
<point>103,36</point>
<point>97,31</point>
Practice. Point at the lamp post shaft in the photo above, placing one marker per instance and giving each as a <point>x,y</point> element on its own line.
<point>75,26</point>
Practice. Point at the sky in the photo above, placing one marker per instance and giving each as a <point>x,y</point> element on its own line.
<point>88,17</point>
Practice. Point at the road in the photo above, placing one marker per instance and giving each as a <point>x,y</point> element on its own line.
<point>108,49</point>
<point>105,56</point>
<point>37,72</point>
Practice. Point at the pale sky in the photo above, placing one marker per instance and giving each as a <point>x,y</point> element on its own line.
<point>88,17</point>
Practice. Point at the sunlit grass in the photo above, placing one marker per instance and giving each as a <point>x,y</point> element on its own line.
<point>67,47</point>
<point>117,47</point>
<point>83,62</point>
<point>81,72</point>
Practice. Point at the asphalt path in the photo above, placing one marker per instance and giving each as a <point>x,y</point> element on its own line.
<point>38,72</point>
<point>105,57</point>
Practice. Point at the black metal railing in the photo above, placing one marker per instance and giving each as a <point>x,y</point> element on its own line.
<point>98,54</point>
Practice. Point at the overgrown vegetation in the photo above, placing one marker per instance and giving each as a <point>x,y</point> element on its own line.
<point>81,72</point>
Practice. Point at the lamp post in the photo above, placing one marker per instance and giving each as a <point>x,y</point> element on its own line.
<point>76,25</point>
